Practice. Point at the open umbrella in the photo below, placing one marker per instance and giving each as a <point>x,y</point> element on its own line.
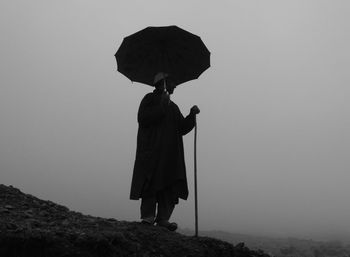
<point>171,50</point>
<point>168,49</point>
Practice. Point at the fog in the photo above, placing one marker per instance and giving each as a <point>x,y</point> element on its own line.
<point>273,132</point>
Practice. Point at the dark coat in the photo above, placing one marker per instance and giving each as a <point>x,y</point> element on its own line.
<point>160,162</point>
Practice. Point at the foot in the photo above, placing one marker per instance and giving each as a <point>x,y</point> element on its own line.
<point>172,226</point>
<point>144,222</point>
<point>148,221</point>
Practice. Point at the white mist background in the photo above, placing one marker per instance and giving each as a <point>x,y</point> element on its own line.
<point>273,132</point>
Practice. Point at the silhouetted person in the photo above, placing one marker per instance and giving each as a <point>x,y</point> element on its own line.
<point>159,176</point>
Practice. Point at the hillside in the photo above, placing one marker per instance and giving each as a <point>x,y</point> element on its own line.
<point>282,247</point>
<point>33,227</point>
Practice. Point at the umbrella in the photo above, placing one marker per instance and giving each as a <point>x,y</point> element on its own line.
<point>169,49</point>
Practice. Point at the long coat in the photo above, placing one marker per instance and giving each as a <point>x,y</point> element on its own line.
<point>160,162</point>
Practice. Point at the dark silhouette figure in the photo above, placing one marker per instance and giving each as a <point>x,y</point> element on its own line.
<point>159,176</point>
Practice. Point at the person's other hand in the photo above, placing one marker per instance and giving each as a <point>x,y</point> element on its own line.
<point>194,110</point>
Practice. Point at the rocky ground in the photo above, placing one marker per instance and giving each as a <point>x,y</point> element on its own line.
<point>33,227</point>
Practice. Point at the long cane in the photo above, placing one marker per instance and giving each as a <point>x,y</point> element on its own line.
<point>195,177</point>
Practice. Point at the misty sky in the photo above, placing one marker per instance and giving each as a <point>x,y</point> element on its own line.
<point>273,132</point>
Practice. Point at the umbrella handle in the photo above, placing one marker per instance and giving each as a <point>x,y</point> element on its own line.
<point>164,87</point>
<point>165,91</point>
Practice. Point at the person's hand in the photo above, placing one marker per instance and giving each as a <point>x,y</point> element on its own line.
<point>194,110</point>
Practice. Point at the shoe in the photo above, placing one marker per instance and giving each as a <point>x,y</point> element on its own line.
<point>171,226</point>
<point>148,221</point>
<point>145,222</point>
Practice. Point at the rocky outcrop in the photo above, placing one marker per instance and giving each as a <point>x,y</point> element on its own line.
<point>33,227</point>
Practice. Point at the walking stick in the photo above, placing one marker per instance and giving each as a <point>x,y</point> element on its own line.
<point>195,177</point>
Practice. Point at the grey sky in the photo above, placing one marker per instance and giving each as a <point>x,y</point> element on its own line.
<point>273,140</point>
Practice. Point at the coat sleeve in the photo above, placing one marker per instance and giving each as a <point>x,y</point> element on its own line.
<point>186,123</point>
<point>150,113</point>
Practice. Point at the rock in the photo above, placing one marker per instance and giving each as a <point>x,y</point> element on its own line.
<point>35,223</point>
<point>28,213</point>
<point>3,210</point>
<point>44,214</point>
<point>65,222</point>
<point>11,226</point>
<point>9,207</point>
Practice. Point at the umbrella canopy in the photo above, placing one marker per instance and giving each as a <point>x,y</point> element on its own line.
<point>170,49</point>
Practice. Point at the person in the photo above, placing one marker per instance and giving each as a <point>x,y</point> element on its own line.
<point>159,175</point>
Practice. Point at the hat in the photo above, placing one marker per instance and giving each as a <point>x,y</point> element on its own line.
<point>159,76</point>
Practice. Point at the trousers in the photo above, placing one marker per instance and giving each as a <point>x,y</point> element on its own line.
<point>157,208</point>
